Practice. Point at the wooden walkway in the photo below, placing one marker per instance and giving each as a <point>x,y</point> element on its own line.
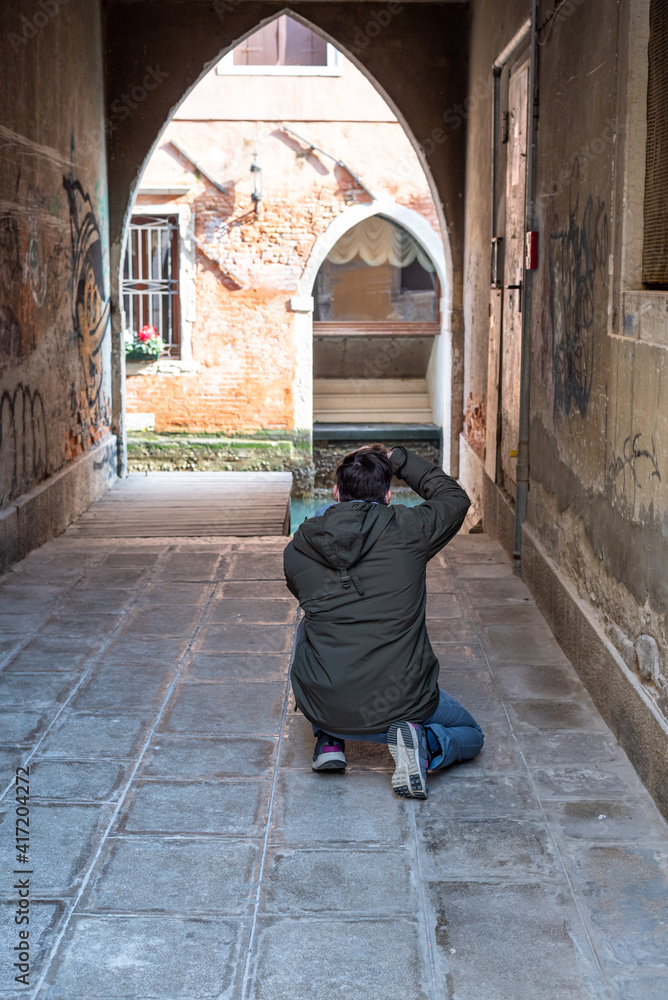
<point>190,504</point>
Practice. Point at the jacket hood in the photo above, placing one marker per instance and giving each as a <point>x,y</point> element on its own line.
<point>343,535</point>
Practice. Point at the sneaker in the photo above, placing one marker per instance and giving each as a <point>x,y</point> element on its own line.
<point>407,742</point>
<point>329,754</point>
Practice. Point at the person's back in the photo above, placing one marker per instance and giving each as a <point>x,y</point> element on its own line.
<point>363,662</point>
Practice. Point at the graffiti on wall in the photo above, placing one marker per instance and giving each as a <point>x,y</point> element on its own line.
<point>578,254</point>
<point>23,440</point>
<point>635,465</point>
<point>90,302</point>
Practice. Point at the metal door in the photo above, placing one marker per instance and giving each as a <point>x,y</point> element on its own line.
<point>513,273</point>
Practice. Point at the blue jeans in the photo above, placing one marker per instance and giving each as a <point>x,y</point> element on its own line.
<point>452,733</point>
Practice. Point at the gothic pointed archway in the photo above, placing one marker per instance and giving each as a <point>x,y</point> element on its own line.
<point>132,137</point>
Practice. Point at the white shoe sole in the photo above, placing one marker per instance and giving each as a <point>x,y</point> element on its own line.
<point>408,778</point>
<point>333,761</point>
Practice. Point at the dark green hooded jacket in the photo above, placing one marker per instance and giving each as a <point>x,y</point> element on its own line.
<point>363,658</point>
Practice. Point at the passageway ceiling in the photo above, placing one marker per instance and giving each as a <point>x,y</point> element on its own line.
<point>417,57</point>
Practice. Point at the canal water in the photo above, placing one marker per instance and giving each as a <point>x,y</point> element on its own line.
<point>300,510</point>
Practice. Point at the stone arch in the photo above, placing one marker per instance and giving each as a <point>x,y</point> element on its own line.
<point>440,368</point>
<point>206,32</point>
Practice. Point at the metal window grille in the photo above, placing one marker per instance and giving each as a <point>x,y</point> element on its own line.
<point>655,235</point>
<point>151,278</point>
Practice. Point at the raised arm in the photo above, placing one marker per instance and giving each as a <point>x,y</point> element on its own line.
<point>446,503</point>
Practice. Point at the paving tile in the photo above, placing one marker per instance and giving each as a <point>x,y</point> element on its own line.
<point>455,630</point>
<point>230,808</point>
<point>522,613</point>
<point>303,959</point>
<point>245,639</point>
<point>474,689</point>
<point>524,681</point>
<point>441,581</point>
<point>505,592</point>
<point>233,611</point>
<point>53,653</point>
<point>94,601</point>
<point>21,622</point>
<point>8,643</point>
<point>94,734</point>
<point>452,655</point>
<point>331,807</point>
<point>208,757</point>
<point>132,649</point>
<point>180,595</point>
<point>153,620</point>
<point>512,942</point>
<point>476,796</point>
<point>44,918</point>
<point>535,715</point>
<point>298,743</point>
<point>119,686</point>
<point>183,875</point>
<point>513,644</point>
<point>138,556</point>
<point>653,986</point>
<point>608,819</point>
<point>108,576</point>
<point>352,881</point>
<point>596,782</point>
<point>239,666</point>
<point>499,754</point>
<point>256,566</point>
<point>196,567</point>
<point>77,780</point>
<point>623,890</point>
<point>444,606</point>
<point>10,758</point>
<point>225,709</point>
<point>475,547</point>
<point>251,589</point>
<point>483,570</point>
<point>38,690</point>
<point>548,749</point>
<point>165,958</point>
<point>24,726</point>
<point>63,842</point>
<point>78,625</point>
<point>17,599</point>
<point>485,848</point>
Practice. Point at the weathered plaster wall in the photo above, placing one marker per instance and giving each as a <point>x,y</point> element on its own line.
<point>598,501</point>
<point>54,259</point>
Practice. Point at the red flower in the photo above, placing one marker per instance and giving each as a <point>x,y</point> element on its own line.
<point>147,333</point>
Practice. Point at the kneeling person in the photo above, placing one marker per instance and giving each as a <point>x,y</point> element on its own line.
<point>363,666</point>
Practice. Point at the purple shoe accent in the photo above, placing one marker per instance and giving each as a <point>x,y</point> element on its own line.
<point>329,754</point>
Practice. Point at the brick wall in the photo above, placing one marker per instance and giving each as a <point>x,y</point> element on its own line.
<point>243,337</point>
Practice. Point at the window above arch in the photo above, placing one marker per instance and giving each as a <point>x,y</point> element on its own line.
<point>284,47</point>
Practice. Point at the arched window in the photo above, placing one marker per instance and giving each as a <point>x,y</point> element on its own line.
<point>376,272</point>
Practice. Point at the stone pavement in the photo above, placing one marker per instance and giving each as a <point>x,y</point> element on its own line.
<point>182,847</point>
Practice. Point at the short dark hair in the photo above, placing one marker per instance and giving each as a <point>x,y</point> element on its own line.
<point>364,474</point>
